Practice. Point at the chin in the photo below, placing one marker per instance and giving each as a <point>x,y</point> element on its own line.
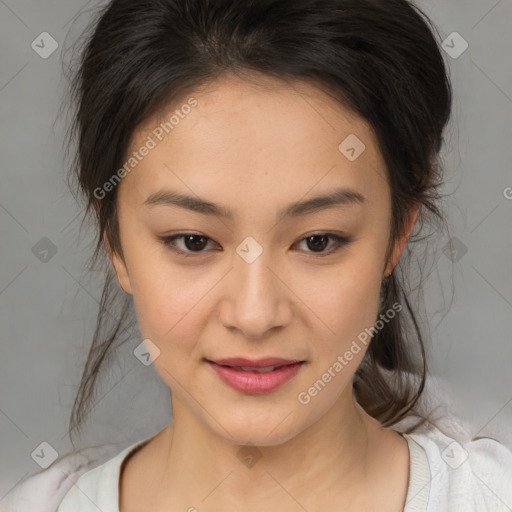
<point>261,433</point>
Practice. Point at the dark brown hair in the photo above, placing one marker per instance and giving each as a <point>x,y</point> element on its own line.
<point>379,58</point>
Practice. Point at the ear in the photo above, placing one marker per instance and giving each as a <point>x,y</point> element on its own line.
<point>119,267</point>
<point>402,241</point>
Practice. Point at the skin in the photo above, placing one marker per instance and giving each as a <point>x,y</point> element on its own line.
<point>256,148</point>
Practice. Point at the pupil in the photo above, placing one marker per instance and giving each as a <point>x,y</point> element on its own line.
<point>191,237</point>
<point>322,244</point>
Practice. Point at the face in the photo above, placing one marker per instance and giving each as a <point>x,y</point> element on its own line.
<point>260,278</point>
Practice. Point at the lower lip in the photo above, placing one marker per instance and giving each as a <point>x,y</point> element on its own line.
<point>253,382</point>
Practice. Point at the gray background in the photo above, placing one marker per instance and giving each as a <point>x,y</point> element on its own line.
<point>48,309</point>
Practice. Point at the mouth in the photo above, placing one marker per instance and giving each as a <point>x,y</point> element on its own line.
<point>266,362</point>
<point>257,369</point>
<point>255,377</point>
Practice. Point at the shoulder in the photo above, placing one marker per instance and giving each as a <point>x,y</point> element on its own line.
<point>97,488</point>
<point>469,475</point>
<point>43,491</point>
<point>466,472</point>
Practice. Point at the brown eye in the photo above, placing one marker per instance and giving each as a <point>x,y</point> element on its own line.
<point>192,243</point>
<point>195,242</point>
<point>319,241</point>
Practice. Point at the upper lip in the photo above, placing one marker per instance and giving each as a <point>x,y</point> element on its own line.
<point>256,363</point>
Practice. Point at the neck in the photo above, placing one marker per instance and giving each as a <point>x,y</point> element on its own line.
<point>331,456</point>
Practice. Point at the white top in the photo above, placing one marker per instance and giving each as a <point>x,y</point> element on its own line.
<point>445,476</point>
<point>97,489</point>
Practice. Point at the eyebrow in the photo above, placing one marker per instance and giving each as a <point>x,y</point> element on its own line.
<point>337,197</point>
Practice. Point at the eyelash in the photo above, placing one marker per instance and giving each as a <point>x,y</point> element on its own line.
<point>339,242</point>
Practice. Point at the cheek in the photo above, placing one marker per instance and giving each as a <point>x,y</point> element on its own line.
<point>345,303</point>
<point>170,304</point>
<point>161,294</point>
<point>167,311</point>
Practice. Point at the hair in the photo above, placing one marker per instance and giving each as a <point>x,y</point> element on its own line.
<point>378,58</point>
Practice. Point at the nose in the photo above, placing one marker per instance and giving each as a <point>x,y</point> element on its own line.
<point>258,299</point>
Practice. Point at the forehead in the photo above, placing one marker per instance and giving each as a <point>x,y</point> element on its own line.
<point>260,135</point>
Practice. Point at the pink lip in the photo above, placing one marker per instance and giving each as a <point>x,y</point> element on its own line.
<point>253,382</point>
<point>256,363</point>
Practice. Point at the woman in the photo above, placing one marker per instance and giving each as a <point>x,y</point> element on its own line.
<point>256,170</point>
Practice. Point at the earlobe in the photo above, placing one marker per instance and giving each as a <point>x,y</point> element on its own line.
<point>119,267</point>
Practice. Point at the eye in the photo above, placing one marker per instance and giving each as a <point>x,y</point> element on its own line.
<point>195,243</point>
<point>318,242</point>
